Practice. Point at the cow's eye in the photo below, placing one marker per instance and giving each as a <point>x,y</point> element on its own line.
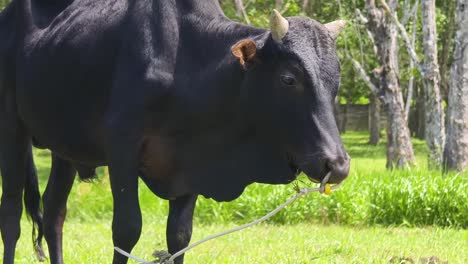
<point>288,80</point>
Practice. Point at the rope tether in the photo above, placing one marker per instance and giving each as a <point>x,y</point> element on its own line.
<point>165,258</point>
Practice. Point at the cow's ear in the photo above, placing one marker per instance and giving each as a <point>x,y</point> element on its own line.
<point>244,51</point>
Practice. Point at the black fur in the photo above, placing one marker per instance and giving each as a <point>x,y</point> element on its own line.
<point>86,174</point>
<point>151,89</point>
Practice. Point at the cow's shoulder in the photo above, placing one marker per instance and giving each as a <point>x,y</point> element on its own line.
<point>75,23</point>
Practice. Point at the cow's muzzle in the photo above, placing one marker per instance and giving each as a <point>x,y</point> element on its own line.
<point>339,168</point>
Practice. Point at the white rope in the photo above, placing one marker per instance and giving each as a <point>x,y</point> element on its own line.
<point>300,193</point>
<point>123,252</point>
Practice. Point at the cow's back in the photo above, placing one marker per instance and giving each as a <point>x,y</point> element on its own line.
<point>65,70</point>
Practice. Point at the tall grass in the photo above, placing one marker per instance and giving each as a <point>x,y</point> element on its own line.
<point>371,195</point>
<point>414,198</point>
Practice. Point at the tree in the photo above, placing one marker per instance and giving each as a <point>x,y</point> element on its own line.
<point>456,149</point>
<point>410,90</point>
<point>374,120</point>
<point>447,32</point>
<point>384,33</point>
<point>435,128</point>
<point>279,4</point>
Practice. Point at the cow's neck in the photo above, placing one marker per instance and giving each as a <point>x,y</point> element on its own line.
<point>206,44</point>
<point>209,79</point>
<point>209,67</point>
<point>192,42</point>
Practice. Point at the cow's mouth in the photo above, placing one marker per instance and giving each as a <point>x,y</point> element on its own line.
<point>292,164</point>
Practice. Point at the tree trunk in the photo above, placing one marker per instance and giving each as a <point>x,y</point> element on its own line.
<point>456,149</point>
<point>399,144</point>
<point>344,118</point>
<point>374,120</point>
<point>447,41</point>
<point>305,3</point>
<point>337,114</point>
<point>435,126</point>
<point>279,4</point>
<point>409,96</point>
<point>240,10</point>
<point>420,113</point>
<point>399,147</point>
<point>308,7</point>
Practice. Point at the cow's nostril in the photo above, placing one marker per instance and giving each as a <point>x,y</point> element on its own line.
<point>339,169</point>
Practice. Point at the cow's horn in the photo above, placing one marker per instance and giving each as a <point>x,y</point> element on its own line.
<point>335,27</point>
<point>278,25</point>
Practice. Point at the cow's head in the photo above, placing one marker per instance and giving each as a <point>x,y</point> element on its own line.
<point>291,79</point>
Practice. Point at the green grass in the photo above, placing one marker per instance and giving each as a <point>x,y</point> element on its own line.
<point>376,215</point>
<point>90,242</point>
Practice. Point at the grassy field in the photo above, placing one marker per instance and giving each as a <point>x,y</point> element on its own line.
<point>375,217</point>
<point>90,242</point>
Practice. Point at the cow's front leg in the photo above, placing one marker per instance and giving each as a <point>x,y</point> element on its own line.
<point>14,146</point>
<point>55,205</point>
<point>123,147</point>
<point>179,224</point>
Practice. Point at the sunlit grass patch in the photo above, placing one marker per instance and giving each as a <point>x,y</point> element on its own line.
<point>90,241</point>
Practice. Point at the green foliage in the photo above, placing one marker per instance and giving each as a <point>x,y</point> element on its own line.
<point>3,4</point>
<point>258,11</point>
<point>415,199</point>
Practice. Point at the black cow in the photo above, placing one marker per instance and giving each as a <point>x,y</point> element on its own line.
<point>171,91</point>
